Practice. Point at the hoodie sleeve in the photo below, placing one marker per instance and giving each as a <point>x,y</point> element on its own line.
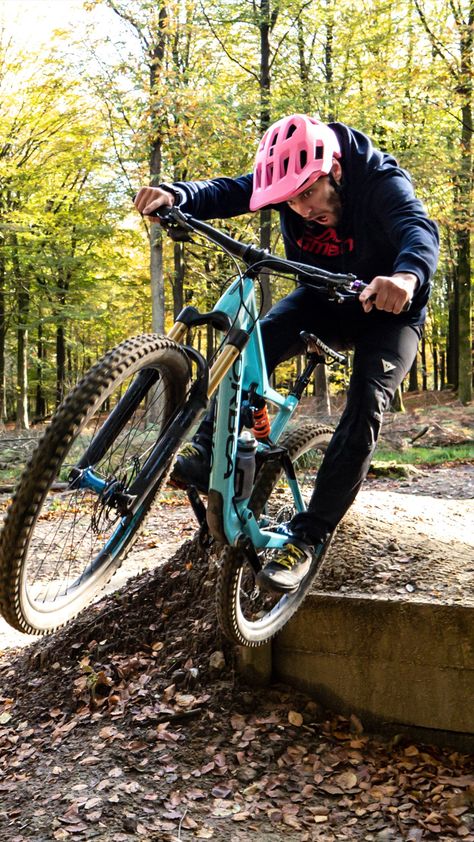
<point>218,198</point>
<point>402,217</point>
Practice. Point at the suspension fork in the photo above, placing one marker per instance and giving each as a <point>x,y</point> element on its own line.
<point>119,416</point>
<point>128,500</point>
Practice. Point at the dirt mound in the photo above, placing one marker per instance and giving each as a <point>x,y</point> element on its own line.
<point>408,539</point>
<point>131,723</point>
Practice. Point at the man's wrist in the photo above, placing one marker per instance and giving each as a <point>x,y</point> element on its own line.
<point>175,193</point>
<point>409,277</point>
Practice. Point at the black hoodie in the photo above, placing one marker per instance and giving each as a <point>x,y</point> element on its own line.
<point>384,227</point>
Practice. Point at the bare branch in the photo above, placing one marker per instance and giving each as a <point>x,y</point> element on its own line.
<point>285,35</point>
<point>438,47</point>
<point>130,20</point>
<point>221,43</point>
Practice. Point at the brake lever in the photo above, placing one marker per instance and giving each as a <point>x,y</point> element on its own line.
<point>356,287</point>
<point>174,223</point>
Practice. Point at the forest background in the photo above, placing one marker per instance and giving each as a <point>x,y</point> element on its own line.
<point>145,91</point>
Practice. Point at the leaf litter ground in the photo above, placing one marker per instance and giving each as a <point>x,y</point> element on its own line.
<point>131,723</point>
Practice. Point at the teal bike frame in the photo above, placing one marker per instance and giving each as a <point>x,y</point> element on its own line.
<point>230,518</point>
<point>240,366</point>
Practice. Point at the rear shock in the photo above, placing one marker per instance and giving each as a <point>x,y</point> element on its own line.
<point>261,423</point>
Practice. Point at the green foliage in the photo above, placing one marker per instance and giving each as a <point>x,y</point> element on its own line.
<point>77,141</point>
<point>428,455</point>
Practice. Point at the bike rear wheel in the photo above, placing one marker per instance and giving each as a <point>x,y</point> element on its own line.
<point>247,615</point>
<point>61,544</point>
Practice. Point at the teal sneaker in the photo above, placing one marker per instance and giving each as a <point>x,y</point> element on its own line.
<point>290,565</point>
<point>192,467</point>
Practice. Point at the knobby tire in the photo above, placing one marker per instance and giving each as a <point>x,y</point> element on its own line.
<point>30,514</point>
<point>234,565</point>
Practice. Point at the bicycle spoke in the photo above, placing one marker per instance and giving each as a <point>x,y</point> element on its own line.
<point>62,557</point>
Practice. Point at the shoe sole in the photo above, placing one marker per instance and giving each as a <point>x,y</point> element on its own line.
<point>183,486</point>
<point>271,587</point>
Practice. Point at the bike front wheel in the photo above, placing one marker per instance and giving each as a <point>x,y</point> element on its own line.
<point>61,543</point>
<point>248,615</point>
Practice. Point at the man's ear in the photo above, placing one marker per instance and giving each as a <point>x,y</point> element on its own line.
<point>336,170</point>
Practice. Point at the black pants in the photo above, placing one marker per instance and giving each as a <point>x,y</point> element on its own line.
<point>385,347</point>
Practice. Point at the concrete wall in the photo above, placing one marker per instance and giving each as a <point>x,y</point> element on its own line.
<point>387,661</point>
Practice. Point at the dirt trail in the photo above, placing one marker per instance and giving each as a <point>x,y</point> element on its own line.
<point>131,724</point>
<point>412,538</point>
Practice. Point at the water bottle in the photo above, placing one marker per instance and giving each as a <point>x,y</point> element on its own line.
<point>245,465</point>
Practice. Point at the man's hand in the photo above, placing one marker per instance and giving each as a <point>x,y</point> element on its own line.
<point>149,199</point>
<point>391,293</point>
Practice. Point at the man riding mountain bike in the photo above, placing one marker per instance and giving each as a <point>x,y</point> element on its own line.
<point>346,207</point>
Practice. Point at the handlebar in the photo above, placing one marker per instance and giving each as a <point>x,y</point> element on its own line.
<point>180,225</point>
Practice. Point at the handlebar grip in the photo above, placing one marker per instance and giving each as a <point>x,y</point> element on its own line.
<point>359,286</point>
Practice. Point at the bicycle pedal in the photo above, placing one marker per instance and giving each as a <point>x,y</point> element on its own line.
<point>205,538</point>
<point>181,486</point>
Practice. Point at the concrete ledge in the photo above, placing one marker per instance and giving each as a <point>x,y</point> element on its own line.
<point>388,661</point>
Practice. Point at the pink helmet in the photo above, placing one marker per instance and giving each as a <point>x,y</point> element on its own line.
<point>291,151</point>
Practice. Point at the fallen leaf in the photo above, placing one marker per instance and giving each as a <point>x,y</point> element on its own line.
<point>221,791</point>
<point>240,817</point>
<point>295,718</point>
<point>195,794</point>
<point>238,722</point>
<point>461,780</point>
<point>346,780</point>
<point>188,823</point>
<point>331,789</point>
<point>92,802</point>
<point>205,833</point>
<point>184,700</point>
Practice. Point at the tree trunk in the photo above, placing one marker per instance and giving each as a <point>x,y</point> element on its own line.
<point>463,274</point>
<point>424,371</point>
<point>178,279</point>
<point>60,363</point>
<point>442,384</point>
<point>465,190</point>
<point>265,26</point>
<point>461,74</point>
<point>3,334</point>
<point>323,402</point>
<point>328,67</point>
<point>435,368</point>
<point>22,422</point>
<point>23,305</point>
<point>453,333</point>
<point>413,376</point>
<point>209,343</point>
<point>40,402</point>
<point>397,402</point>
<point>303,68</point>
<point>156,280</point>
<point>156,56</point>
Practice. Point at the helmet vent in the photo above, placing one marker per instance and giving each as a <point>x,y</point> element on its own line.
<point>290,131</point>
<point>303,159</point>
<point>319,152</point>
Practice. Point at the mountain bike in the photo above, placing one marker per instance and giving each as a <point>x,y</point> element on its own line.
<point>109,449</point>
